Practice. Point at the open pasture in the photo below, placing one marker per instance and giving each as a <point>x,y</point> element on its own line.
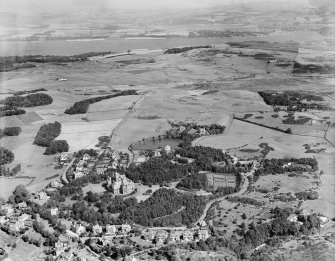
<point>84,135</point>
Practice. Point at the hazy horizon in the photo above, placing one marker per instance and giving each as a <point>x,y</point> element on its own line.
<point>34,7</point>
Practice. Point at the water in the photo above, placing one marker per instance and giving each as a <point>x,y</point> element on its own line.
<point>63,47</point>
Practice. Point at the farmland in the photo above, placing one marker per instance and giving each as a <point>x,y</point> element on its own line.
<point>267,106</point>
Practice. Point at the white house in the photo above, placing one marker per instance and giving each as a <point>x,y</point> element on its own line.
<point>97,229</point>
<point>54,211</point>
<point>167,148</point>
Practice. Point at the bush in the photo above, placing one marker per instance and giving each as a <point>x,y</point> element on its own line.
<point>6,156</point>
<point>47,133</point>
<point>57,146</point>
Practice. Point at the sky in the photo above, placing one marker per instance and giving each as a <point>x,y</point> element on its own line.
<point>51,6</point>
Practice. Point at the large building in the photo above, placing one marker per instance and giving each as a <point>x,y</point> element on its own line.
<point>120,184</point>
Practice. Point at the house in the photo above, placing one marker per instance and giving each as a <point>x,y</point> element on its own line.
<point>7,209</point>
<point>80,166</point>
<point>97,229</point>
<point>125,228</point>
<point>54,211</point>
<point>182,128</point>
<point>107,240</point>
<point>188,235</point>
<point>192,132</point>
<point>202,131</point>
<point>42,195</point>
<point>64,157</point>
<point>175,235</point>
<point>22,205</point>
<point>150,234</point>
<point>203,234</point>
<point>24,217</point>
<point>140,159</point>
<point>202,223</point>
<point>157,153</point>
<point>71,234</point>
<point>111,230</point>
<point>167,148</point>
<point>3,219</point>
<point>101,169</point>
<point>293,218</point>
<point>78,175</point>
<point>29,223</point>
<point>56,184</point>
<point>16,226</point>
<point>86,157</point>
<point>161,236</point>
<point>79,229</point>
<point>62,243</point>
<point>120,184</point>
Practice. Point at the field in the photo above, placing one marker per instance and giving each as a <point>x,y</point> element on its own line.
<point>202,86</point>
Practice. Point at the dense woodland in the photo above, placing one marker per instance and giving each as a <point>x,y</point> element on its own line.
<point>6,156</point>
<point>82,106</point>
<point>57,146</point>
<point>47,133</point>
<point>30,100</point>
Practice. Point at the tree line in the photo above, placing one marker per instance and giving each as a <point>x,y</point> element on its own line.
<point>82,106</point>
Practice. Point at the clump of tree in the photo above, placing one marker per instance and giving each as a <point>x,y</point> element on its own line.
<point>185,49</point>
<point>10,111</point>
<point>82,106</point>
<point>10,172</point>
<point>20,194</point>
<point>307,195</point>
<point>280,166</point>
<point>47,133</point>
<point>10,131</point>
<point>57,146</point>
<point>6,156</point>
<point>30,100</point>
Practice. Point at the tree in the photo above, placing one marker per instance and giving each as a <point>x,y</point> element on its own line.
<point>21,194</point>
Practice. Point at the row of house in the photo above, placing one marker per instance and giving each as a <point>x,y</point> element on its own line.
<point>161,235</point>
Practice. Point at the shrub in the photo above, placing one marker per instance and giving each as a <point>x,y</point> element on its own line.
<point>11,131</point>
